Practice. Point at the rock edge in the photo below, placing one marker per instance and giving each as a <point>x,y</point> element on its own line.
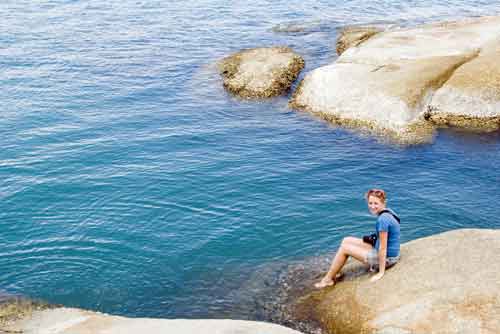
<point>77,321</point>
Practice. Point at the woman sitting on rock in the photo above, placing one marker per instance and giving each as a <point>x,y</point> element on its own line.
<point>385,251</point>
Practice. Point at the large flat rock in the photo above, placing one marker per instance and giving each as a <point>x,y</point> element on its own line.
<point>447,283</point>
<point>76,321</point>
<point>404,82</point>
<point>390,97</point>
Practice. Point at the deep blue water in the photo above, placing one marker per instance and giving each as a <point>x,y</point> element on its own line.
<point>132,183</point>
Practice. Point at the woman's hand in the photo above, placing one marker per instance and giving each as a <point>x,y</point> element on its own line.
<point>376,277</point>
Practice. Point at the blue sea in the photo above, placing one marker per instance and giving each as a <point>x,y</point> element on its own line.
<point>131,183</point>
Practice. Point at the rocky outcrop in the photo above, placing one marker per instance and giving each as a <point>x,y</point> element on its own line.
<point>354,36</point>
<point>260,72</point>
<point>471,97</point>
<point>403,83</point>
<point>76,321</point>
<point>390,96</point>
<point>447,283</point>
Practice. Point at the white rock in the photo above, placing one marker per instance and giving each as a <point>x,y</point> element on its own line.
<point>396,81</point>
<point>77,321</point>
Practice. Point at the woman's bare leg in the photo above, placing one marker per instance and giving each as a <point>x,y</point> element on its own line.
<point>349,247</point>
<point>356,241</point>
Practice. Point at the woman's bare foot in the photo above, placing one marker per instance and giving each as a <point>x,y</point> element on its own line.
<point>324,283</point>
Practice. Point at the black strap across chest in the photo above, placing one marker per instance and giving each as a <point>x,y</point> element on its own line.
<point>391,213</point>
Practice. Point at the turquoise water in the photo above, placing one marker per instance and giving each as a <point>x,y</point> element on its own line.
<point>131,183</point>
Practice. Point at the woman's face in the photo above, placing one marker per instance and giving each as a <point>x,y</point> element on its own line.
<point>375,205</point>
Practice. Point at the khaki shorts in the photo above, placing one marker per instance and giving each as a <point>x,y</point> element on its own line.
<point>372,259</point>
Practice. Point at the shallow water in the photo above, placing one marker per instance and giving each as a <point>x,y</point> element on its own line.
<point>131,183</point>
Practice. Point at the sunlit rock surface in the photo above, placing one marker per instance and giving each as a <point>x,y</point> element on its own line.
<point>403,82</point>
<point>76,321</point>
<point>260,72</point>
<point>471,97</point>
<point>354,36</point>
<point>447,283</point>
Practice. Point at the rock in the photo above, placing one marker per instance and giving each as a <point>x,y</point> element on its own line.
<point>297,27</point>
<point>471,97</point>
<point>260,72</point>
<point>447,283</point>
<point>354,36</point>
<point>395,83</point>
<point>347,93</point>
<point>76,321</point>
<point>304,27</point>
<point>13,308</point>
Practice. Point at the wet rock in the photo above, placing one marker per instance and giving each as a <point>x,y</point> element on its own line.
<point>395,83</point>
<point>446,283</point>
<point>14,308</point>
<point>295,28</point>
<point>260,72</point>
<point>304,28</point>
<point>354,36</point>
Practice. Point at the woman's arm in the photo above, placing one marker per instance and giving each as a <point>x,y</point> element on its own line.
<point>382,254</point>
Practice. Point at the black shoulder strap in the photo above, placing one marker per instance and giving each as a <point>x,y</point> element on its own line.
<point>391,213</point>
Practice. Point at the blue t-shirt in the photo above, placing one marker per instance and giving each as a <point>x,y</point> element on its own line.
<point>387,223</point>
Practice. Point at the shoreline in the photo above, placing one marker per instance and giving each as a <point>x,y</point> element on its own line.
<point>62,320</point>
<point>305,310</point>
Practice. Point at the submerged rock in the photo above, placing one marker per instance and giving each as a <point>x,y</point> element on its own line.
<point>402,83</point>
<point>297,27</point>
<point>260,72</point>
<point>447,283</point>
<point>304,27</point>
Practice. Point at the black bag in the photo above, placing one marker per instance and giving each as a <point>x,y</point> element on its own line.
<point>370,239</point>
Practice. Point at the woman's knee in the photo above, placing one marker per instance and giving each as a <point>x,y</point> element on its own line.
<point>348,240</point>
<point>355,251</point>
<point>345,246</point>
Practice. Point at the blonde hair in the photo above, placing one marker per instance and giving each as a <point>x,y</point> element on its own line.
<point>379,193</point>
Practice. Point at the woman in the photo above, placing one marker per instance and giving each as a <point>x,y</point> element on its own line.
<point>383,254</point>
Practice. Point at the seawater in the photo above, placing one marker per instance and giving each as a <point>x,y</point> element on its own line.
<point>132,183</point>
